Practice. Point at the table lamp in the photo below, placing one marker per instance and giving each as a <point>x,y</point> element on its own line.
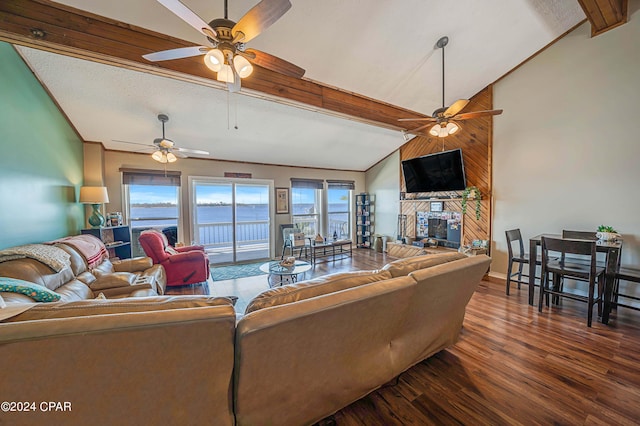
<point>94,195</point>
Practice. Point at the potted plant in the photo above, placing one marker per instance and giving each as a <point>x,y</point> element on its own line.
<point>470,193</point>
<point>607,233</point>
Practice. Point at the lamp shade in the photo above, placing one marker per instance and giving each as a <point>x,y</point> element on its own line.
<point>225,74</point>
<point>243,67</point>
<point>214,60</point>
<point>159,156</point>
<point>443,130</point>
<point>94,195</point>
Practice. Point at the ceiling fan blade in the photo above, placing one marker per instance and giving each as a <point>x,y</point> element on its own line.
<point>191,151</point>
<point>420,128</point>
<point>455,108</point>
<point>179,154</point>
<point>134,143</point>
<point>418,119</point>
<point>188,16</point>
<point>182,52</point>
<point>476,114</point>
<point>273,63</point>
<point>258,18</point>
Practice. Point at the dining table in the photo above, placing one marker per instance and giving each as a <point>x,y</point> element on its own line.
<point>611,248</point>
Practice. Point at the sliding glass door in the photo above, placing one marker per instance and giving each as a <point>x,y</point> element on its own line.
<point>231,218</point>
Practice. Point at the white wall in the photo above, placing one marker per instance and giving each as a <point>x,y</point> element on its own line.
<point>566,150</point>
<point>383,182</point>
<point>280,175</point>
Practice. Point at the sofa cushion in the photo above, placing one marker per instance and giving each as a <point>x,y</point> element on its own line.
<point>117,279</point>
<point>36,272</point>
<point>315,287</point>
<point>402,267</point>
<point>37,292</point>
<point>117,306</point>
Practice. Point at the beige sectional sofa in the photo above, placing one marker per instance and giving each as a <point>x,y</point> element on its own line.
<point>300,353</point>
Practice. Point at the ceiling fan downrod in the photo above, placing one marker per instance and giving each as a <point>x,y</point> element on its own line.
<point>441,43</point>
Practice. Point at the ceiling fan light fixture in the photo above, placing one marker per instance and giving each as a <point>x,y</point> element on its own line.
<point>214,60</point>
<point>225,74</point>
<point>171,158</point>
<point>452,128</point>
<point>159,156</point>
<point>243,67</point>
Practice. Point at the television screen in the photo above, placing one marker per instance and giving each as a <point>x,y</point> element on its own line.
<point>442,171</point>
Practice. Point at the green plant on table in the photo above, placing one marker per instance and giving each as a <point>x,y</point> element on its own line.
<point>603,228</point>
<point>474,192</point>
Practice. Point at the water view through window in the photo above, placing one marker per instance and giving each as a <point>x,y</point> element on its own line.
<point>232,220</point>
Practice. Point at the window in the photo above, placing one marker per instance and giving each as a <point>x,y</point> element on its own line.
<point>308,197</point>
<point>339,202</point>
<point>152,200</point>
<point>306,202</point>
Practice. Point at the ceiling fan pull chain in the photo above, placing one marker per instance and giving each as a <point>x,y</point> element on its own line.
<point>235,111</point>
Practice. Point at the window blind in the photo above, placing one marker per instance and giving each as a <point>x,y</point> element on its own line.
<point>150,177</point>
<point>307,183</point>
<point>341,184</point>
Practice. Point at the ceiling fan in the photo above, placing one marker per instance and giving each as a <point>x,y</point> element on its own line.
<point>228,55</point>
<point>446,119</point>
<point>165,150</point>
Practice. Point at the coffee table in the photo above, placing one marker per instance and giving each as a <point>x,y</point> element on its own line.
<point>289,275</point>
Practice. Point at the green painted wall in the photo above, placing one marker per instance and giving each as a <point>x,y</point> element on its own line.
<point>40,160</point>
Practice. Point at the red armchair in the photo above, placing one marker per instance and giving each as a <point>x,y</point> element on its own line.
<point>183,265</point>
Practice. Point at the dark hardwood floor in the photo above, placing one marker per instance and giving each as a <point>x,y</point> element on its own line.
<point>512,365</point>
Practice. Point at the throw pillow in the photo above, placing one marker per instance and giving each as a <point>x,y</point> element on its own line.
<point>35,291</point>
<point>171,250</point>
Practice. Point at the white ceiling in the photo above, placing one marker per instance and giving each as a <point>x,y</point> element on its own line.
<point>380,49</point>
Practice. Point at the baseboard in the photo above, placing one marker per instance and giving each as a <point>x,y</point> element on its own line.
<point>496,278</point>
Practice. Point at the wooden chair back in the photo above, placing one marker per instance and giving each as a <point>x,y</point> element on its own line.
<point>514,235</point>
<point>579,235</point>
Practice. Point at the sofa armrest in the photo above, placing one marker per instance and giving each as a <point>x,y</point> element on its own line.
<point>182,249</point>
<point>188,256</point>
<point>135,264</point>
<point>93,307</point>
<point>117,350</point>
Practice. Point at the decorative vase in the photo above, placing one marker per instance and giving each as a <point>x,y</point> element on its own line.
<point>96,220</point>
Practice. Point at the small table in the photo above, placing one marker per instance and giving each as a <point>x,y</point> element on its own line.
<point>612,250</point>
<point>286,274</point>
<point>329,249</point>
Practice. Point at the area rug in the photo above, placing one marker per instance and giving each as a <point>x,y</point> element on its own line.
<point>230,272</point>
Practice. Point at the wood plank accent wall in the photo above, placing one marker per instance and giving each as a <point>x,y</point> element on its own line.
<point>605,15</point>
<point>62,29</point>
<point>475,139</point>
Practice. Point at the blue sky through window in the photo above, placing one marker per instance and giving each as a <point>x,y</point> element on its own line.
<point>246,194</point>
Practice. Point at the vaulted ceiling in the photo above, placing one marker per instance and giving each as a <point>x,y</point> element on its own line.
<point>367,64</point>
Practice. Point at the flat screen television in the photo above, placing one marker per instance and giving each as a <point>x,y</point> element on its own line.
<point>442,171</point>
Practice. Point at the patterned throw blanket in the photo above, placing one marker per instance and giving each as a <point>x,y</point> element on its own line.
<point>54,257</point>
<point>91,248</point>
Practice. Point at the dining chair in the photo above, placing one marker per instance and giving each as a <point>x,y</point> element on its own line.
<point>581,265</point>
<point>514,237</point>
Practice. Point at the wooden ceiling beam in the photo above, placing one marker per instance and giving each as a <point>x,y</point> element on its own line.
<point>58,28</point>
<point>605,15</point>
